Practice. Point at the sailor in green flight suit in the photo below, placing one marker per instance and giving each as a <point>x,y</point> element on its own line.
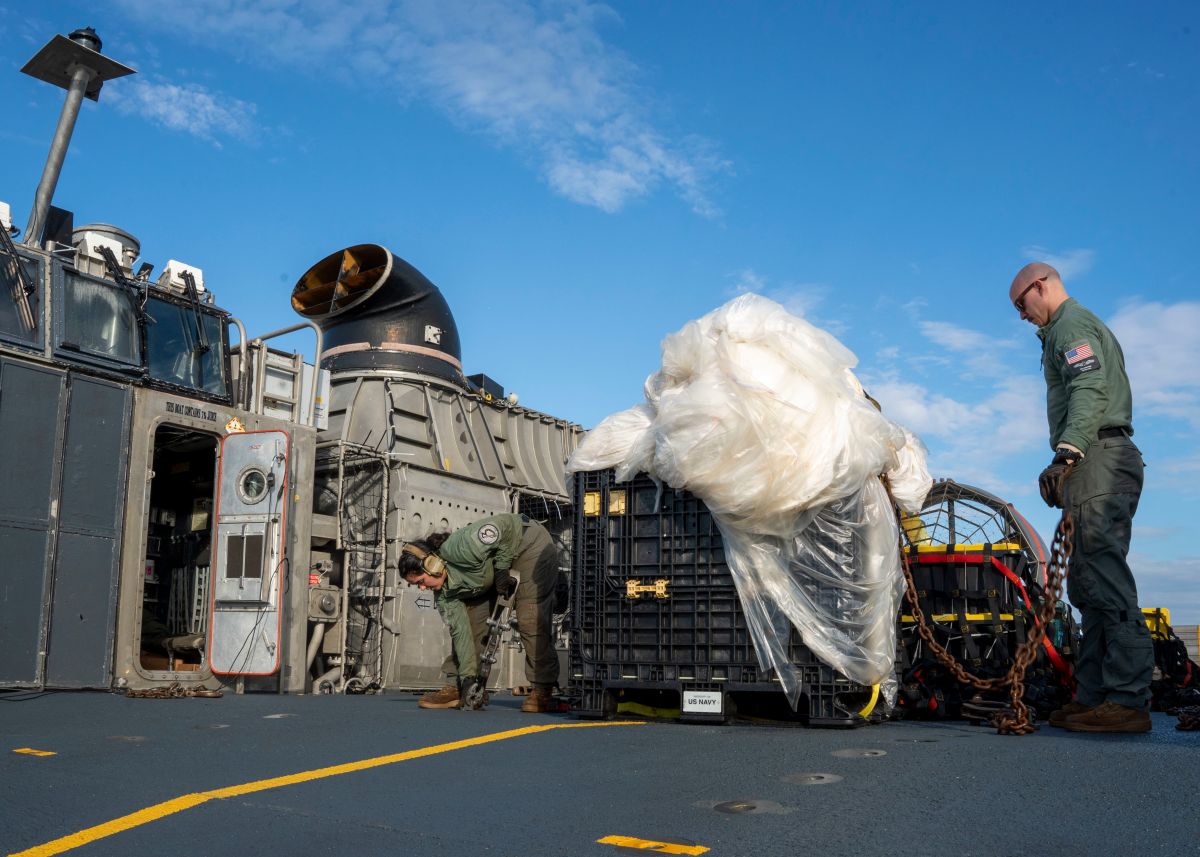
<point>464,569</point>
<point>1090,411</point>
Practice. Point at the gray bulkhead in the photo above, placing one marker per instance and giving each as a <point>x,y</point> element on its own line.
<point>451,457</point>
<point>410,448</point>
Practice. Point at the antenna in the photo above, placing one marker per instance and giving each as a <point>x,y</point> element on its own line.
<point>76,65</point>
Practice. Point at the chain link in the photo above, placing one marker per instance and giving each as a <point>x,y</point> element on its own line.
<point>1189,719</point>
<point>1018,722</point>
<point>174,690</point>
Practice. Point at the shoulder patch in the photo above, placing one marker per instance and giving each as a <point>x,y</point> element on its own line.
<point>489,534</point>
<point>1080,358</point>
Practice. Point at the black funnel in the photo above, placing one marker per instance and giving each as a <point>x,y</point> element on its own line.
<point>376,311</point>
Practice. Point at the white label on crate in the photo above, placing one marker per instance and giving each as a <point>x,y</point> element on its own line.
<point>702,702</point>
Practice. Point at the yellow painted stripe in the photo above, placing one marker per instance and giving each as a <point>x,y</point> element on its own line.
<point>127,822</point>
<point>179,804</point>
<point>999,546</point>
<point>650,845</point>
<point>953,617</point>
<point>29,751</point>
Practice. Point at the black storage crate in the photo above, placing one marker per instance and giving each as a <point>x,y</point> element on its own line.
<point>682,627</point>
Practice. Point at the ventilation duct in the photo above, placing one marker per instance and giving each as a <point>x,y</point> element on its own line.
<point>376,311</point>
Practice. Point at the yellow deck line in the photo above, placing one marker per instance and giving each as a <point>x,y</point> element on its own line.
<point>179,804</point>
<point>652,845</point>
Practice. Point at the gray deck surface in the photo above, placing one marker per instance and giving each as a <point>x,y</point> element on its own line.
<point>941,788</point>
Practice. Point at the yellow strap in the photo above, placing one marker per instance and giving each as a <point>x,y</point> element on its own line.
<point>953,617</point>
<point>999,546</point>
<point>866,712</point>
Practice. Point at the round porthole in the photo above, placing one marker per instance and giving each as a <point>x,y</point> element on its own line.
<point>252,485</point>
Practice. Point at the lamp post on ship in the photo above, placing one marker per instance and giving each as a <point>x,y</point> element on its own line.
<point>75,64</point>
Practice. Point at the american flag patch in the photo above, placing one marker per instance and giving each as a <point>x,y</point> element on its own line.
<point>1081,352</point>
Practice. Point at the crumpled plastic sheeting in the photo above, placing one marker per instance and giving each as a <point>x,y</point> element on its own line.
<point>909,477</point>
<point>758,413</point>
<point>624,440</point>
<point>836,580</point>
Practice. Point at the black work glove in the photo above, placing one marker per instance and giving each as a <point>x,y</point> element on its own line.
<point>506,584</point>
<point>1054,477</point>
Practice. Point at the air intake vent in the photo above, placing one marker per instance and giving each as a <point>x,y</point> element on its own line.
<point>376,311</point>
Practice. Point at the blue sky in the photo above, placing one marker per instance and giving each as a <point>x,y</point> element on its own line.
<point>582,179</point>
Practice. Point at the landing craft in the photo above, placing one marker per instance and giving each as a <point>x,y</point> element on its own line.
<point>180,506</point>
<point>182,509</point>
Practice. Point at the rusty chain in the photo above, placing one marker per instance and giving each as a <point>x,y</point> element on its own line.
<point>1018,722</point>
<point>175,690</point>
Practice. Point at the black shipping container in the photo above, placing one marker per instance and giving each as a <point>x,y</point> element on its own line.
<point>655,616</point>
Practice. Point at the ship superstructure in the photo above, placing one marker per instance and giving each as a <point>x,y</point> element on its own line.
<point>181,503</point>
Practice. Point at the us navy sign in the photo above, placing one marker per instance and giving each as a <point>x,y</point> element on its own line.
<point>702,702</point>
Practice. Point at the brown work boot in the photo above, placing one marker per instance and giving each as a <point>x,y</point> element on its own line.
<point>1059,716</point>
<point>1110,717</point>
<point>538,700</point>
<point>447,697</point>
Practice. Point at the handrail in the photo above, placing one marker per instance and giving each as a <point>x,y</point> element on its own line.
<point>312,405</point>
<point>244,374</point>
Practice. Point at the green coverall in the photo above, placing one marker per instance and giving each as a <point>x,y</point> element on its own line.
<point>1089,405</point>
<point>474,554</point>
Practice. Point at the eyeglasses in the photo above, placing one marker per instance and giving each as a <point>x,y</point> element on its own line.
<point>1019,303</point>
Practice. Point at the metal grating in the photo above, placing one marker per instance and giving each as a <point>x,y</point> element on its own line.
<point>359,476</point>
<point>957,514</point>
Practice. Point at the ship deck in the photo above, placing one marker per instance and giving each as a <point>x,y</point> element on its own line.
<point>375,775</point>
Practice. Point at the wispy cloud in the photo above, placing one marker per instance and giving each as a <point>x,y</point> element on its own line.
<point>955,337</point>
<point>749,280</point>
<point>801,299</point>
<point>972,353</point>
<point>1161,343</point>
<point>1144,534</point>
<point>1142,68</point>
<point>189,108</point>
<point>25,24</point>
<point>969,441</point>
<point>535,75</point>
<point>23,139</point>
<point>1175,474</point>
<point>1169,583</point>
<point>1069,264</point>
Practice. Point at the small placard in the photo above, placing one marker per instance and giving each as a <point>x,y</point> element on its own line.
<point>702,702</point>
<point>201,507</point>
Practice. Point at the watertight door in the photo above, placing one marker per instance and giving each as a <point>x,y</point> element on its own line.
<point>91,511</point>
<point>249,560</point>
<point>32,412</point>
